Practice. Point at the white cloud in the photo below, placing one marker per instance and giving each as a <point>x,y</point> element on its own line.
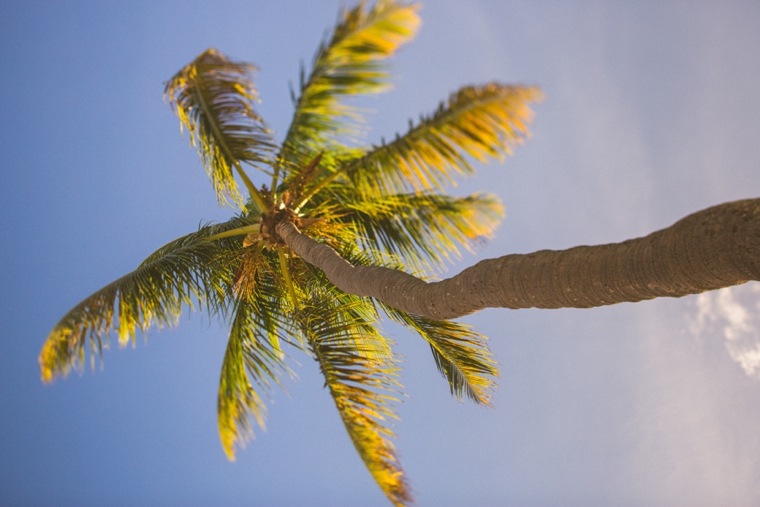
<point>734,312</point>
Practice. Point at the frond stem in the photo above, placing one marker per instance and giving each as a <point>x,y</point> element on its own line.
<point>228,153</point>
<point>274,177</point>
<point>255,195</point>
<point>234,232</point>
<point>286,275</point>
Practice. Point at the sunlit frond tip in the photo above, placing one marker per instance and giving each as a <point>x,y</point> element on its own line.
<point>461,355</point>
<point>482,122</point>
<point>213,97</point>
<point>362,383</point>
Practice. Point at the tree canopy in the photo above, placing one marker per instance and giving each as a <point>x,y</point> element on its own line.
<point>379,205</point>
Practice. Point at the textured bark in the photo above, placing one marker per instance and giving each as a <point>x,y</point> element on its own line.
<point>711,249</point>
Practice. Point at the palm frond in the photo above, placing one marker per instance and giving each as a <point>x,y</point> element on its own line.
<point>349,63</point>
<point>363,384</point>
<point>477,121</point>
<point>461,354</point>
<point>346,308</point>
<point>423,230</point>
<point>253,354</point>
<point>187,271</point>
<point>213,98</point>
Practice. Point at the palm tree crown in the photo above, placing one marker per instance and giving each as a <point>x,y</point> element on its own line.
<point>374,206</point>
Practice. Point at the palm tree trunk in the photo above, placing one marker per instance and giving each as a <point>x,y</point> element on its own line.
<point>711,249</point>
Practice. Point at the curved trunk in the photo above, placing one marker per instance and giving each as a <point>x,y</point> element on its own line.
<point>711,249</point>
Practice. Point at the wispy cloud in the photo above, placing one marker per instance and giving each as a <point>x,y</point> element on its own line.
<point>734,312</point>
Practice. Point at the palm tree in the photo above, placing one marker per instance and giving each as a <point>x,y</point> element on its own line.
<point>336,223</point>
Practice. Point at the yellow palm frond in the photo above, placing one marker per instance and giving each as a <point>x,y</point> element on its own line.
<point>461,354</point>
<point>213,98</point>
<point>252,362</point>
<point>348,64</point>
<point>477,121</point>
<point>362,383</point>
<point>186,271</point>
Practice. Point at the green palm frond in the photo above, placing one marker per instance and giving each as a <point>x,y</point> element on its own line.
<point>461,354</point>
<point>362,383</point>
<point>253,354</point>
<point>187,271</point>
<point>477,121</point>
<point>213,98</point>
<point>349,63</point>
<point>423,229</point>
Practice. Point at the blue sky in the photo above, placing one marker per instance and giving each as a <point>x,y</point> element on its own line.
<point>652,111</point>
